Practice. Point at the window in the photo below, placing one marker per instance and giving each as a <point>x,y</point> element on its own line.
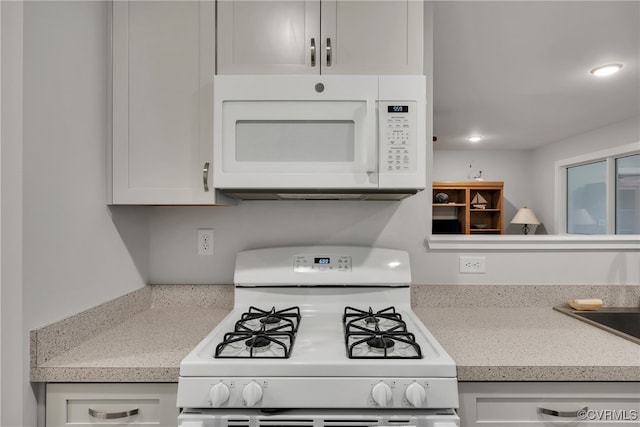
<point>587,198</point>
<point>600,193</point>
<point>628,195</point>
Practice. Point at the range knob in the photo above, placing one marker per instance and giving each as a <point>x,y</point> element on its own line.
<point>381,393</point>
<point>252,393</point>
<point>219,394</point>
<point>415,394</point>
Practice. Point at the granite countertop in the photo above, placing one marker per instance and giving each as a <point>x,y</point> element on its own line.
<point>142,336</point>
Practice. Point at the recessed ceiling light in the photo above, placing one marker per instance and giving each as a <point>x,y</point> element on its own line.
<point>606,70</point>
<point>474,138</point>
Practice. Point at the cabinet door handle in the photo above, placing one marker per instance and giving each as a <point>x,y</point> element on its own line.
<point>313,51</point>
<point>563,414</point>
<point>113,415</point>
<point>205,177</point>
<point>328,52</point>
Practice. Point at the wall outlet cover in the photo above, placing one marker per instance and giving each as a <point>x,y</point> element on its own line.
<point>473,265</point>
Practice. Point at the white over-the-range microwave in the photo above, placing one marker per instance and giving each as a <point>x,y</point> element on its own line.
<point>319,137</point>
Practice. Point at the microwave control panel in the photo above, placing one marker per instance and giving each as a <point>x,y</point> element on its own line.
<point>398,143</point>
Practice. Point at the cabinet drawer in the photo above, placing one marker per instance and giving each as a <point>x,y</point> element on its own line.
<point>577,404</point>
<point>111,404</point>
<point>524,411</point>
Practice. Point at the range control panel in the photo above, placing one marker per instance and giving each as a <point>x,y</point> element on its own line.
<point>321,263</point>
<point>398,143</point>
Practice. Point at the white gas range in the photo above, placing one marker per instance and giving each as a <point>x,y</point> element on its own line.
<point>319,336</point>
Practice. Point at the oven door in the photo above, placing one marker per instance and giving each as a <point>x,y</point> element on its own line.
<point>295,132</point>
<point>319,418</point>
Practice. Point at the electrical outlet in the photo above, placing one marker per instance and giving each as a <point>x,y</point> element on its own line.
<point>205,241</point>
<point>473,264</point>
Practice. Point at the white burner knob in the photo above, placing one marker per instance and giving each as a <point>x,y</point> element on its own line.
<point>415,394</point>
<point>252,393</point>
<point>219,394</point>
<point>382,393</point>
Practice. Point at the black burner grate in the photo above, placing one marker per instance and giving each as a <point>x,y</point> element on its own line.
<point>261,334</point>
<point>378,335</point>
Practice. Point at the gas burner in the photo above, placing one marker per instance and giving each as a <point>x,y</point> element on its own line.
<point>258,343</point>
<point>368,321</point>
<point>371,319</point>
<point>261,344</point>
<point>381,344</point>
<point>382,334</point>
<point>271,320</point>
<point>384,345</point>
<point>261,334</point>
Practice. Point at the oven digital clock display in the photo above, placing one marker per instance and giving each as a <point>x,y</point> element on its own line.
<point>321,264</point>
<point>397,108</point>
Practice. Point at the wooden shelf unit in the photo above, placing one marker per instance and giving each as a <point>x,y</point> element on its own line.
<point>470,219</point>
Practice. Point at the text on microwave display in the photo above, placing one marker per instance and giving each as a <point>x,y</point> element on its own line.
<point>397,108</point>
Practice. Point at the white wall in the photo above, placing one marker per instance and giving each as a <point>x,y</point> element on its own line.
<point>544,158</point>
<point>63,249</point>
<point>13,387</point>
<point>75,256</point>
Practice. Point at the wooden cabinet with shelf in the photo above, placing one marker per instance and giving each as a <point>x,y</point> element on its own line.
<point>468,207</point>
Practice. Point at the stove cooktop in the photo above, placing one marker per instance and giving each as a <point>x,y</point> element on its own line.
<point>320,347</point>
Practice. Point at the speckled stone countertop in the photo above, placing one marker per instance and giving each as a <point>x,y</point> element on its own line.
<point>488,330</point>
<point>140,337</point>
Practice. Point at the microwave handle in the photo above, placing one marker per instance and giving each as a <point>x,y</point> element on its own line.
<point>370,158</point>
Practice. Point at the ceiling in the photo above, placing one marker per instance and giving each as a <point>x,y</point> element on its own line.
<point>517,72</point>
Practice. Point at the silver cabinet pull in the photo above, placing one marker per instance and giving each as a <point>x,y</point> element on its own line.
<point>313,51</point>
<point>563,414</point>
<point>328,52</point>
<point>205,177</point>
<point>112,415</point>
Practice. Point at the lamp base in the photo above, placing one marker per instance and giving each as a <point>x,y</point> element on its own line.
<point>525,229</point>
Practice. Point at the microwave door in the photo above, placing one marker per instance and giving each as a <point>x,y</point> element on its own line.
<point>299,144</point>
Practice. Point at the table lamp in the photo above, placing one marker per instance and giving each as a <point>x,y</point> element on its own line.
<point>525,216</point>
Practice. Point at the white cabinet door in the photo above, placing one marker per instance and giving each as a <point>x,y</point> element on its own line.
<point>268,37</point>
<point>92,405</point>
<point>163,67</point>
<point>542,404</point>
<point>327,37</point>
<point>372,37</point>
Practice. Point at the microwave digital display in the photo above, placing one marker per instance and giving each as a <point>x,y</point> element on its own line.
<point>397,109</point>
<point>321,260</point>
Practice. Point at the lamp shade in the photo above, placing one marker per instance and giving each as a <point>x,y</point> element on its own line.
<point>525,216</point>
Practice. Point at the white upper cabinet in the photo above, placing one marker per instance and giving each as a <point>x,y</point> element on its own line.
<point>328,37</point>
<point>163,67</point>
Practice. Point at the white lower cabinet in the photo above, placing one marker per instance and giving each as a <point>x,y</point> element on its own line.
<point>529,404</point>
<point>121,404</point>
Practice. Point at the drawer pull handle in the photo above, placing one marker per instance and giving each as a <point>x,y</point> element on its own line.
<point>563,414</point>
<point>112,415</point>
<point>313,51</point>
